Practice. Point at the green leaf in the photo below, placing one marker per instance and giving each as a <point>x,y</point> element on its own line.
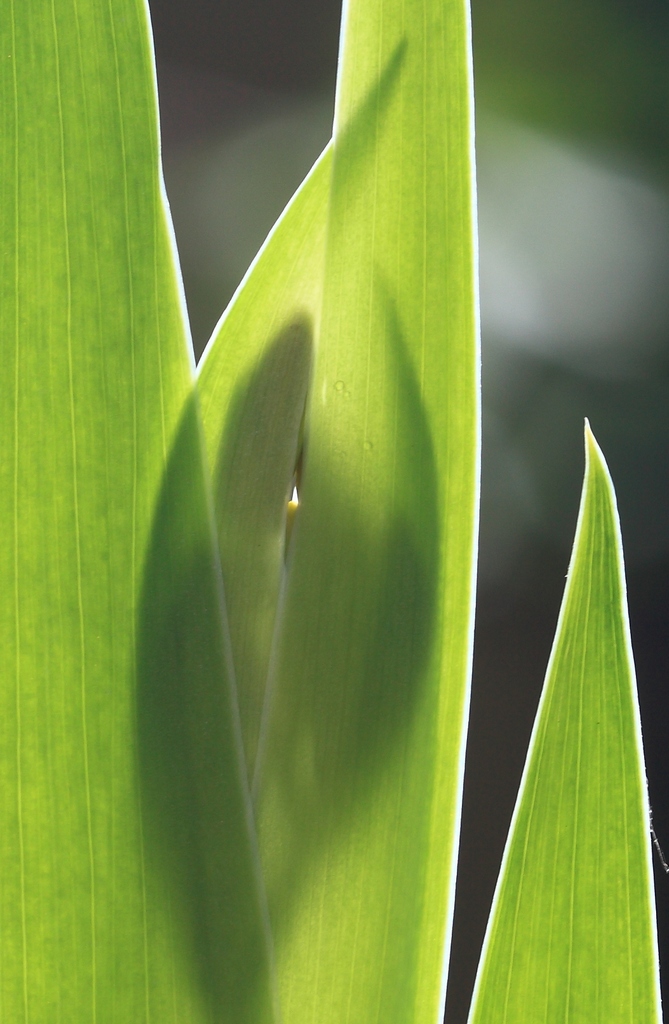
<point>128,885</point>
<point>360,753</point>
<point>572,931</point>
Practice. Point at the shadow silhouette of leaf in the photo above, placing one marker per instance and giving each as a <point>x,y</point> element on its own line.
<point>194,793</point>
<point>252,480</point>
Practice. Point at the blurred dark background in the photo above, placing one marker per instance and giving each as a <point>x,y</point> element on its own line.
<point>573,169</point>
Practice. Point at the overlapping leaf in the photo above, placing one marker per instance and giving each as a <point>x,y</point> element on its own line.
<point>358,769</point>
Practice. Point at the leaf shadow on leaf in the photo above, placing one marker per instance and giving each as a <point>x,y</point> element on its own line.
<point>356,139</point>
<point>254,472</point>
<point>356,643</point>
<point>192,785</point>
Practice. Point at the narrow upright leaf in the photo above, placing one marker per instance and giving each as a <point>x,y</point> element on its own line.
<point>572,931</point>
<point>358,774</point>
<point>128,887</point>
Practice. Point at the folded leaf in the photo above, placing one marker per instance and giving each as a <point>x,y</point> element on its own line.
<point>252,381</point>
<point>572,933</point>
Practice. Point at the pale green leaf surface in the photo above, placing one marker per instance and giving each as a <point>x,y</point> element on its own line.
<point>572,931</point>
<point>128,887</point>
<point>358,782</point>
<point>252,382</point>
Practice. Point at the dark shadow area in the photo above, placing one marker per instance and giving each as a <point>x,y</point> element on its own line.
<point>358,136</point>
<point>648,595</point>
<point>254,471</point>
<point>515,628</point>
<point>241,39</point>
<point>196,818</point>
<point>405,629</point>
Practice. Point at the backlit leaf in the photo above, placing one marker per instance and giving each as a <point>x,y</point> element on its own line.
<point>572,931</point>
<point>128,882</point>
<point>357,778</point>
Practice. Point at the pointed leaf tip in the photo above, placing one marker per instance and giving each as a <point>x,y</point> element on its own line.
<point>591,445</point>
<point>572,932</point>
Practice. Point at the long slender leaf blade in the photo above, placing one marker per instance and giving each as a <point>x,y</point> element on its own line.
<point>253,381</point>
<point>359,771</point>
<point>128,887</point>
<point>572,931</point>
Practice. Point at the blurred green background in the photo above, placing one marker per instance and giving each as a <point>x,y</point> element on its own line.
<point>573,177</point>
